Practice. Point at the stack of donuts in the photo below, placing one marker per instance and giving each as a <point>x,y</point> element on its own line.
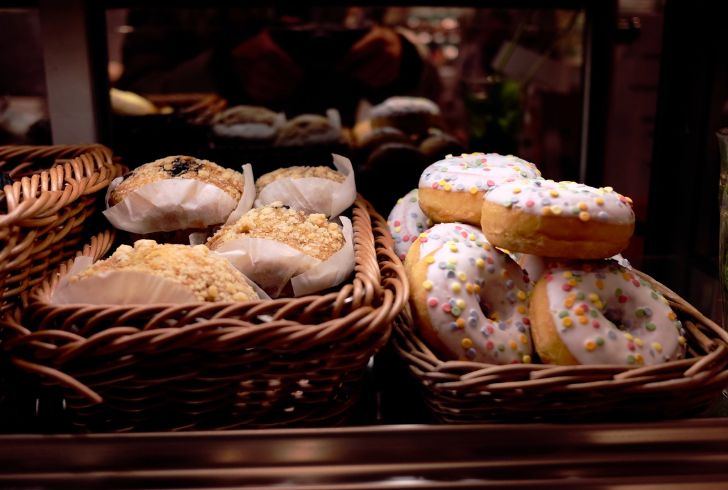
<point>507,267</point>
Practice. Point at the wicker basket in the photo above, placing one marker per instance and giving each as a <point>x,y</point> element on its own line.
<point>45,210</point>
<point>195,108</point>
<point>288,361</point>
<point>466,392</point>
<point>183,131</point>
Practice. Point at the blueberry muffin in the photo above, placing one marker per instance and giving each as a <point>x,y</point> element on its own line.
<point>180,167</point>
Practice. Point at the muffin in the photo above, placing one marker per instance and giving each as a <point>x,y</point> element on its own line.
<point>413,115</point>
<point>318,189</point>
<point>207,276</point>
<point>251,124</point>
<point>180,167</point>
<point>308,129</point>
<point>311,234</point>
<point>277,247</point>
<point>298,173</point>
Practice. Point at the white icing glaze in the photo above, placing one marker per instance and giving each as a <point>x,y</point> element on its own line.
<point>535,265</point>
<point>406,222</point>
<point>465,272</point>
<point>476,172</point>
<point>546,197</point>
<point>584,304</point>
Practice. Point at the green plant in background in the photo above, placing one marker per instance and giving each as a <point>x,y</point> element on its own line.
<point>495,114</point>
<point>495,104</point>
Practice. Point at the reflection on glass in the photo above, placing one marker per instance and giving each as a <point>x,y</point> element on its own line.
<point>723,245</point>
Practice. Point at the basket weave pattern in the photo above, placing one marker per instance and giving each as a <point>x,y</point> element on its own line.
<point>194,108</point>
<point>55,190</point>
<point>215,365</point>
<point>466,392</point>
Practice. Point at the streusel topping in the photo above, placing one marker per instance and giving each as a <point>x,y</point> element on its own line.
<point>211,278</point>
<point>298,173</point>
<point>180,167</point>
<point>311,234</point>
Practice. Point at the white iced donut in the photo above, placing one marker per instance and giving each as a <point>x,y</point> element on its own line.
<point>601,313</point>
<point>470,299</point>
<point>557,219</point>
<point>452,189</point>
<point>535,266</point>
<point>406,222</point>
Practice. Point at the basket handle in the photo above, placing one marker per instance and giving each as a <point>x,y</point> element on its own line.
<point>59,377</point>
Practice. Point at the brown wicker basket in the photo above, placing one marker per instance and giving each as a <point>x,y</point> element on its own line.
<point>466,392</point>
<point>288,361</point>
<point>45,210</point>
<point>195,108</point>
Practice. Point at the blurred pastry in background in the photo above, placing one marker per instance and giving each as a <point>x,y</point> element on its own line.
<point>373,139</point>
<point>125,103</point>
<point>414,115</point>
<point>439,144</point>
<point>252,124</point>
<point>311,129</point>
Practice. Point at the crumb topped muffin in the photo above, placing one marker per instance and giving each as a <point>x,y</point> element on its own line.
<point>311,234</point>
<point>209,277</point>
<point>298,173</point>
<point>180,167</point>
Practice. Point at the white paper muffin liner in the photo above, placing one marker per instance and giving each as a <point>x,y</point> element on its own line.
<point>272,265</point>
<point>124,288</point>
<point>314,194</point>
<point>177,204</point>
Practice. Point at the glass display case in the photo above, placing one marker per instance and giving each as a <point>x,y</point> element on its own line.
<point>628,94</point>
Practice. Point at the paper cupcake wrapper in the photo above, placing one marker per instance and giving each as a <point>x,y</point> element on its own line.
<point>177,204</point>
<point>314,194</point>
<point>124,288</point>
<point>272,265</point>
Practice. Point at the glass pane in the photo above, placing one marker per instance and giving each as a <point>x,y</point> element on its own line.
<point>507,81</point>
<point>23,111</point>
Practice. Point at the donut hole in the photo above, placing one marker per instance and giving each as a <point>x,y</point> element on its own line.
<point>616,316</point>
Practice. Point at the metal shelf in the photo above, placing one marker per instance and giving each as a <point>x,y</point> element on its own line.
<point>691,454</point>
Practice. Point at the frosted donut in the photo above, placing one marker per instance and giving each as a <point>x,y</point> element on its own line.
<point>452,189</point>
<point>406,222</point>
<point>601,313</point>
<point>470,300</point>
<point>535,266</point>
<point>557,219</point>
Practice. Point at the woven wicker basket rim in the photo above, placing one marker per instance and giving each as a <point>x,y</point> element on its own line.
<point>444,374</point>
<point>198,107</point>
<point>89,168</point>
